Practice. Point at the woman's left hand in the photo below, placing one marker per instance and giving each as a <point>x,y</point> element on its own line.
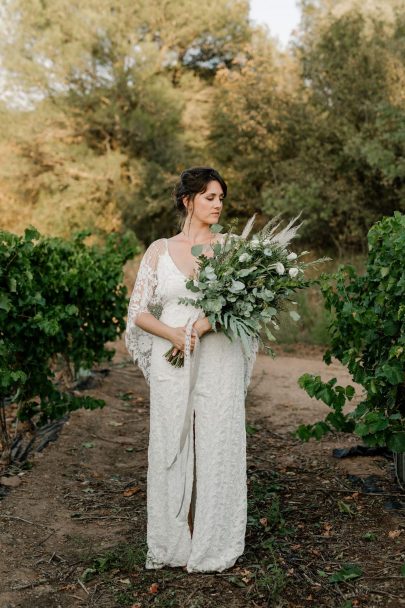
<point>194,334</point>
<point>202,326</point>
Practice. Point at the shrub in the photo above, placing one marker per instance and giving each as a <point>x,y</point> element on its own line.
<point>367,335</point>
<point>59,300</point>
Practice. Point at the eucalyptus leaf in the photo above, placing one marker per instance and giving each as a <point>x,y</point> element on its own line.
<point>216,228</point>
<point>197,250</point>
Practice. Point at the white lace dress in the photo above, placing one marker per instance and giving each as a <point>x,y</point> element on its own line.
<point>205,467</point>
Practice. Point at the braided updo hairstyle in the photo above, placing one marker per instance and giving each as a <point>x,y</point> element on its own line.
<point>194,181</point>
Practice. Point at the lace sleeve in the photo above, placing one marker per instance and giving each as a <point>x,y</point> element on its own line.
<point>144,298</point>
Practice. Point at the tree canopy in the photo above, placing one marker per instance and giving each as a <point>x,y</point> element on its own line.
<point>108,102</point>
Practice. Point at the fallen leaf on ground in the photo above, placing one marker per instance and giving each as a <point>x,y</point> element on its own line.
<point>394,533</point>
<point>131,491</point>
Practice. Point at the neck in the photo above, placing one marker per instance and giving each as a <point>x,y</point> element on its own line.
<point>197,233</point>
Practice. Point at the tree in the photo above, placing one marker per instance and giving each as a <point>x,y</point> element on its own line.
<point>321,131</point>
<point>247,122</point>
<point>120,75</point>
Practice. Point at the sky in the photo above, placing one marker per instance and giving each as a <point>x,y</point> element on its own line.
<point>281,16</point>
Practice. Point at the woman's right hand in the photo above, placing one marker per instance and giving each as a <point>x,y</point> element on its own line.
<point>178,339</point>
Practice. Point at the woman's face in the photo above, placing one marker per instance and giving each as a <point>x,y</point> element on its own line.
<point>208,204</point>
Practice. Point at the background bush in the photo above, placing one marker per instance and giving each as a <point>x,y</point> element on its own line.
<point>59,299</point>
<point>368,336</point>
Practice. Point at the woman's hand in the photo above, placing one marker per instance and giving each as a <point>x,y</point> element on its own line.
<point>178,339</point>
<point>202,326</point>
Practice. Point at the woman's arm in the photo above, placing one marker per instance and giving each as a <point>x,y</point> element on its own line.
<point>176,335</point>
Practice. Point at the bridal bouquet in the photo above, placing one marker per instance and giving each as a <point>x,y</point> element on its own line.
<point>248,281</point>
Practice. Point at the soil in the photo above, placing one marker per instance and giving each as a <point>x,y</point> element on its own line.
<point>80,506</point>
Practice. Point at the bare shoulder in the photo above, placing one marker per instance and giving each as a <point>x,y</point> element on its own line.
<point>177,237</point>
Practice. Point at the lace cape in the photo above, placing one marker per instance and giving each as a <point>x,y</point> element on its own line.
<point>145,297</point>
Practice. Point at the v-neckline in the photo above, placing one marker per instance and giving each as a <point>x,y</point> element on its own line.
<point>175,265</point>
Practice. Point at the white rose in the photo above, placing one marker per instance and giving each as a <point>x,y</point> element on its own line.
<point>254,243</point>
<point>293,272</point>
<point>291,256</point>
<point>244,257</point>
<point>280,268</point>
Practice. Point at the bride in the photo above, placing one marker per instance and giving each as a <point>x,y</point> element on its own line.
<point>196,479</point>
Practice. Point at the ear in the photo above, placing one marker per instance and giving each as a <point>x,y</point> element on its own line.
<point>186,201</point>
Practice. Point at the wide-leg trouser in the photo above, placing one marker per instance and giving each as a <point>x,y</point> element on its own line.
<point>220,516</point>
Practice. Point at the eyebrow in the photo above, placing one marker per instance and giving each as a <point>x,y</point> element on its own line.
<point>209,193</point>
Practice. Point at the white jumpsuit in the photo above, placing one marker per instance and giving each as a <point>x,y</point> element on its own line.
<point>210,390</point>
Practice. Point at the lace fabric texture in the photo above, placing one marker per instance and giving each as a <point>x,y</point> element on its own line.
<point>145,297</point>
<point>211,386</point>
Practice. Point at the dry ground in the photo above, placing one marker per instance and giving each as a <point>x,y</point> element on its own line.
<point>73,531</point>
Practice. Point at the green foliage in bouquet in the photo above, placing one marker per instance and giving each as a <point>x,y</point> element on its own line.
<point>368,336</point>
<point>249,280</point>
<point>59,301</point>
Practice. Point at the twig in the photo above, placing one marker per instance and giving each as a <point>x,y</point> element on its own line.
<point>102,517</point>
<point>34,523</point>
<point>397,597</point>
<point>82,585</point>
<point>119,442</point>
<point>41,581</point>
<point>348,491</point>
<point>46,538</point>
<point>50,559</point>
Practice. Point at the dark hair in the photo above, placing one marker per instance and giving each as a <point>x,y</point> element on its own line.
<point>194,181</point>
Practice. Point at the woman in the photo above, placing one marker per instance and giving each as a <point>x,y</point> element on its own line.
<point>196,481</point>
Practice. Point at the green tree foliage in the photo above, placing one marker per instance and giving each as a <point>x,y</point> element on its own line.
<point>58,300</point>
<point>329,140</point>
<point>122,73</point>
<point>350,166</point>
<point>368,336</point>
<point>247,120</point>
<point>132,93</point>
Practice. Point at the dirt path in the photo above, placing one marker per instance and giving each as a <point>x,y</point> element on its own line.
<point>73,532</point>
